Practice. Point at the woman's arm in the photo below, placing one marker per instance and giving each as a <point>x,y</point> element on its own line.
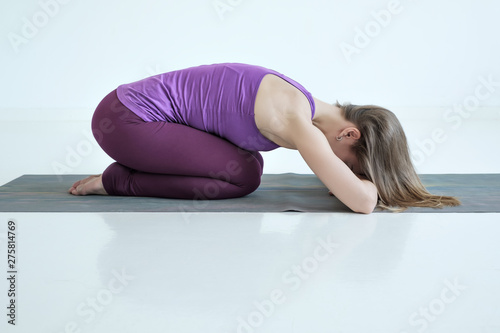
<point>360,195</point>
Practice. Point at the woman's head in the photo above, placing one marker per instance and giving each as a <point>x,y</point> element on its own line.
<point>341,144</point>
<point>383,156</point>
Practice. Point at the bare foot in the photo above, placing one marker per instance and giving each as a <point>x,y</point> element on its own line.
<point>89,185</point>
<point>82,181</point>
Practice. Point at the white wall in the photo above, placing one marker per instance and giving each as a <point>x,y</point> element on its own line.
<point>425,61</point>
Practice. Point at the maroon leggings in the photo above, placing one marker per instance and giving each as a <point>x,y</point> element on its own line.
<point>168,160</point>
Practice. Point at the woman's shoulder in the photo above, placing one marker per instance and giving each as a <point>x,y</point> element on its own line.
<point>277,104</point>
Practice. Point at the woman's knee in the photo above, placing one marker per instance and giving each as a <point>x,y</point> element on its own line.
<point>251,185</point>
<point>246,175</point>
<point>259,159</point>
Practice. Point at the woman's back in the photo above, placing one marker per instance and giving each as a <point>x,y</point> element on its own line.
<point>218,99</point>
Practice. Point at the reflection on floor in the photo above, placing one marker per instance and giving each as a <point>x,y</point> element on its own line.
<point>245,273</point>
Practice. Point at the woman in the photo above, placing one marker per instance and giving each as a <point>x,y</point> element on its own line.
<point>196,134</point>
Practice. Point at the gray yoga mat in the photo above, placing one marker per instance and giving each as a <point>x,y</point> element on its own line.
<point>277,193</point>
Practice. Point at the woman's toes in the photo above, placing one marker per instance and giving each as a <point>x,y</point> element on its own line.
<point>75,190</point>
<point>75,185</point>
<point>70,190</point>
<point>90,185</point>
<point>81,189</point>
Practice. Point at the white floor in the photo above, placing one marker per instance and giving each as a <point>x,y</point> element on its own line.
<point>243,273</point>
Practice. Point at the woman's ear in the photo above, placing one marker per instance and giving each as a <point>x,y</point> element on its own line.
<point>352,133</point>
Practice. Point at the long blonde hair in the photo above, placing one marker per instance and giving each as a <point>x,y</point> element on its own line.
<point>383,155</point>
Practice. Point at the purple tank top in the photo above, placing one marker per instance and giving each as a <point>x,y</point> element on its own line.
<point>218,99</point>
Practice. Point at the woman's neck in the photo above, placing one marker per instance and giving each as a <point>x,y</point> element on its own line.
<point>328,118</point>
